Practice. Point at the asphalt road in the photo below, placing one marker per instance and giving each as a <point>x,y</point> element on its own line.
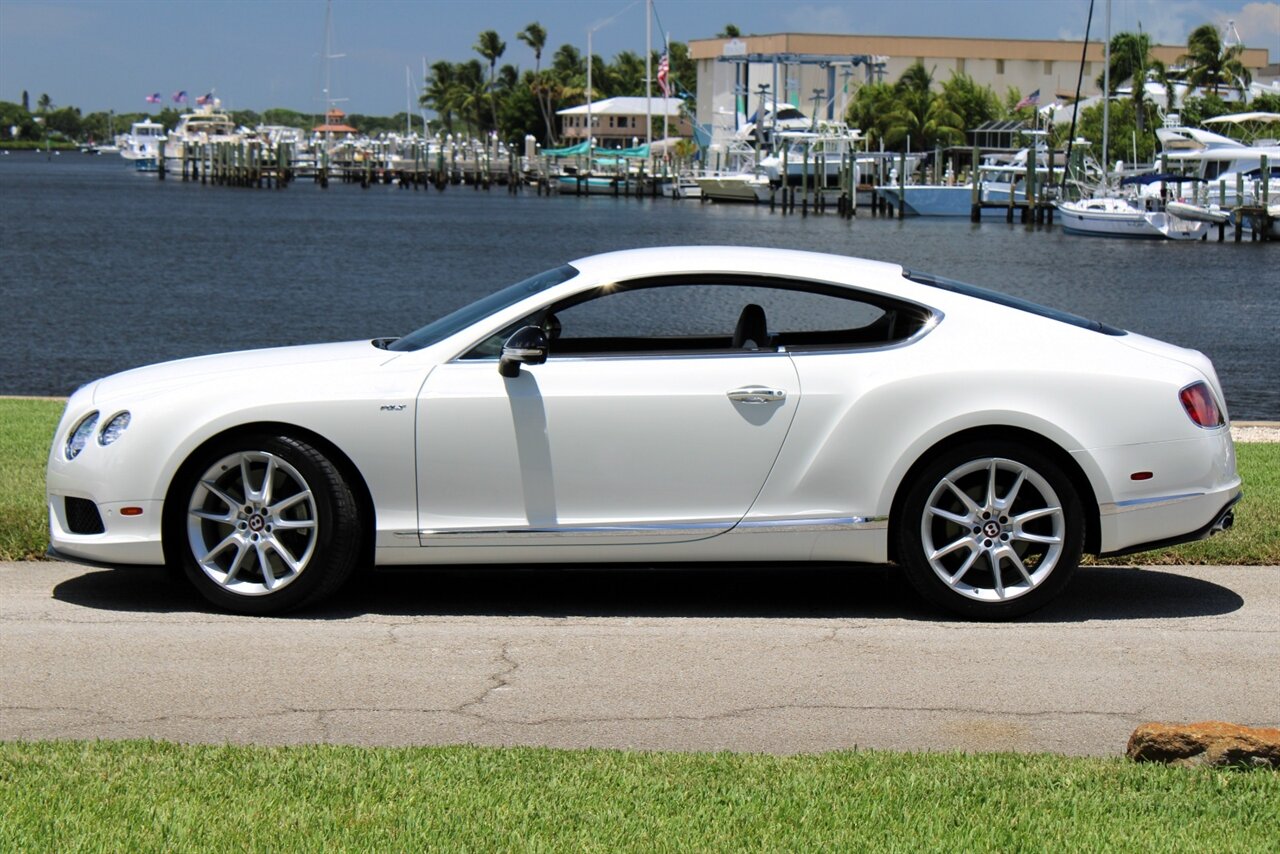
<point>780,659</point>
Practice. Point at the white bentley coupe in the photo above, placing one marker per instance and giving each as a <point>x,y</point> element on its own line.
<point>656,405</point>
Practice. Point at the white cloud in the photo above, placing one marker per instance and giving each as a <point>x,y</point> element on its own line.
<point>821,19</point>
<point>1258,25</point>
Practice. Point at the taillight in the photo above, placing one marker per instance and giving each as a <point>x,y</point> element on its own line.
<point>1198,400</point>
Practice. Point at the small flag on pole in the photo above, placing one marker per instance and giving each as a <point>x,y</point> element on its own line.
<point>179,96</point>
<point>206,98</point>
<point>664,70</point>
<point>1029,101</point>
<point>154,98</point>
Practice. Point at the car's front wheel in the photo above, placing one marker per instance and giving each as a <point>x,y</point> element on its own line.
<point>990,530</point>
<point>268,524</point>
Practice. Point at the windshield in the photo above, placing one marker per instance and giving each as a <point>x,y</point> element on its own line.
<point>462,318</point>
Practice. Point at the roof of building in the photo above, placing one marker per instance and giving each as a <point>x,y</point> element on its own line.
<point>932,47</point>
<point>627,107</point>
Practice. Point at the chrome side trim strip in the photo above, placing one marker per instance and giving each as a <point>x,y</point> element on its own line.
<point>1110,508</point>
<point>671,529</point>
<point>817,524</point>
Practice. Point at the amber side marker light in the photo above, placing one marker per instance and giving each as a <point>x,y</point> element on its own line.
<point>130,511</point>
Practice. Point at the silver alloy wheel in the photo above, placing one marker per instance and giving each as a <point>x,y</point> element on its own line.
<point>251,523</point>
<point>993,529</point>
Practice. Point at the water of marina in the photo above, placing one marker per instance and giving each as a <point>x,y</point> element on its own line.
<point>102,269</point>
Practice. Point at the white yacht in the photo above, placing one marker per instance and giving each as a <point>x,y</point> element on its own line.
<point>1217,161</point>
<point>141,144</point>
<point>827,149</point>
<point>206,124</point>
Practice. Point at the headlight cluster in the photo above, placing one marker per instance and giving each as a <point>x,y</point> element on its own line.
<point>111,431</point>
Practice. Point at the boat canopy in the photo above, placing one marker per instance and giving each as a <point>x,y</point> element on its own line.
<point>1153,178</point>
<point>570,151</point>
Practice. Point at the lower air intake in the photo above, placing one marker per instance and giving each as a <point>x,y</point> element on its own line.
<point>83,517</point>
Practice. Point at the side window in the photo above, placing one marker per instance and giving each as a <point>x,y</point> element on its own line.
<point>715,315</point>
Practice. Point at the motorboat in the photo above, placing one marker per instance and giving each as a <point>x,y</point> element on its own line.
<point>998,178</point>
<point>743,186</point>
<point>1110,216</point>
<point>1220,163</point>
<point>207,124</point>
<point>141,145</point>
<point>807,153</point>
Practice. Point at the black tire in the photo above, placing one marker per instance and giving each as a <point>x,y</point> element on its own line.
<point>1008,558</point>
<point>260,549</point>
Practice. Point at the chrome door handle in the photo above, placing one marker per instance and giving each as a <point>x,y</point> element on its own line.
<point>756,394</point>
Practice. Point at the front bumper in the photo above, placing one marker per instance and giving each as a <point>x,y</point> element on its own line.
<point>124,539</point>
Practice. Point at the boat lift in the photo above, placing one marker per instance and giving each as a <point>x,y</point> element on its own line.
<point>875,67</point>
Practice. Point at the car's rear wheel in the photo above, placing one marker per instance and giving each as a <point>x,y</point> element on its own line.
<point>268,525</point>
<point>990,530</point>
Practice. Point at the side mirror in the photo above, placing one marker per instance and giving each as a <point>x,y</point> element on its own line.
<point>526,346</point>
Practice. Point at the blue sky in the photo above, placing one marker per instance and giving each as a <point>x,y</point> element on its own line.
<point>109,54</point>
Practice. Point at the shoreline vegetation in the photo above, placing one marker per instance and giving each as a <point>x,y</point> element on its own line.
<point>921,110</point>
<point>30,423</point>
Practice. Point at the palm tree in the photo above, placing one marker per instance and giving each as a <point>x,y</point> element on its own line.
<point>921,115</point>
<point>1212,64</point>
<point>536,38</point>
<point>438,92</point>
<point>44,104</point>
<point>730,31</point>
<point>469,94</point>
<point>1131,60</point>
<point>625,75</point>
<point>491,47</point>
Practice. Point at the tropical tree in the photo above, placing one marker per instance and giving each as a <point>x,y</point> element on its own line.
<point>625,75</point>
<point>44,104</point>
<point>1212,65</point>
<point>730,31</point>
<point>469,95</point>
<point>973,103</point>
<point>869,110</point>
<point>1131,60</point>
<point>569,66</point>
<point>437,95</point>
<point>535,36</point>
<point>921,116</point>
<point>491,47</point>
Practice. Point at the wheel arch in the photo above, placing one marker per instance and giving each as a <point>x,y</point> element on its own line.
<point>1003,433</point>
<point>351,473</point>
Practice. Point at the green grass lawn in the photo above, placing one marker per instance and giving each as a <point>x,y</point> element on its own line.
<point>148,796</point>
<point>29,426</point>
<point>24,446</point>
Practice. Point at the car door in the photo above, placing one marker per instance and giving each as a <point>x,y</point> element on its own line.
<point>604,442</point>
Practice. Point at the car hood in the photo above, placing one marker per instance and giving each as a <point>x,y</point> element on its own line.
<point>156,379</point>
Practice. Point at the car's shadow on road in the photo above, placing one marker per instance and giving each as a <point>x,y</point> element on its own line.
<point>767,591</point>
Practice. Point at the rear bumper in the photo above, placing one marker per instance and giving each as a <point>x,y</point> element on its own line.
<point>1222,520</point>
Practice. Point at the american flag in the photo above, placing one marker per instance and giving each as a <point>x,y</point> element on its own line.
<point>154,99</point>
<point>664,68</point>
<point>1029,101</point>
<point>180,95</point>
<point>206,98</point>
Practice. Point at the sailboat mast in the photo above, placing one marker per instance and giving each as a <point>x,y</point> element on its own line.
<point>1106,95</point>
